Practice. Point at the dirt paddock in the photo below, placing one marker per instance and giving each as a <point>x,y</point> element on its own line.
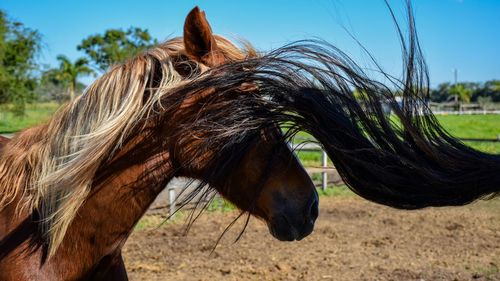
<point>353,240</point>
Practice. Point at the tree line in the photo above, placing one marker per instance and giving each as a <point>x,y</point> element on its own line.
<point>24,80</point>
<point>486,92</point>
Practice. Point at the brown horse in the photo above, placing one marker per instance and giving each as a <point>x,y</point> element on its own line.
<point>72,190</point>
<point>114,149</point>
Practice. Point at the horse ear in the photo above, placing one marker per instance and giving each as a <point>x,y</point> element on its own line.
<point>199,41</point>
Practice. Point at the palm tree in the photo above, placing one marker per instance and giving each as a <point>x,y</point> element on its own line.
<point>69,72</point>
<point>462,92</point>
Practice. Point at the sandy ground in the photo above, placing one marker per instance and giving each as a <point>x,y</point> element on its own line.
<point>353,240</point>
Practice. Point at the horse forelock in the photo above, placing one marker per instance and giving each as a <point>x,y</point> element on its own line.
<point>50,169</point>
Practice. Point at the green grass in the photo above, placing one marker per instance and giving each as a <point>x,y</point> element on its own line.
<point>35,114</point>
<point>156,221</point>
<point>474,126</point>
<point>152,221</point>
<point>337,190</point>
<point>489,147</point>
<point>471,126</point>
<point>309,158</point>
<point>220,205</point>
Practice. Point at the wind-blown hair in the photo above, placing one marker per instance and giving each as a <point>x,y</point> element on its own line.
<point>408,163</point>
<point>52,167</point>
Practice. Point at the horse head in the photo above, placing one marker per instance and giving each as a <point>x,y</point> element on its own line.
<point>258,173</point>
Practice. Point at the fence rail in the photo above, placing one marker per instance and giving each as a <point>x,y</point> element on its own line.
<point>461,108</point>
<point>465,112</point>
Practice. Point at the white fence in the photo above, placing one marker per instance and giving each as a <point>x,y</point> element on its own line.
<point>465,112</point>
<point>460,108</point>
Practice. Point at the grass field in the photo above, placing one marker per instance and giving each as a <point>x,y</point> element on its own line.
<point>463,126</point>
<point>36,114</point>
<point>474,126</point>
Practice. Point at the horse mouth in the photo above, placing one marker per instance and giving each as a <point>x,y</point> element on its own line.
<point>283,229</point>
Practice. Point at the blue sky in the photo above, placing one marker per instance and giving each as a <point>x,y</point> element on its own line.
<point>461,34</point>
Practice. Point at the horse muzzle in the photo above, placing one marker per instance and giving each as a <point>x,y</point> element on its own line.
<point>293,223</point>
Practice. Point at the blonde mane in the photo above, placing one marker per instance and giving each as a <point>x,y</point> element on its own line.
<point>50,168</point>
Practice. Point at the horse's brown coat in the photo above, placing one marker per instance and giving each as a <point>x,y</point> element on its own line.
<point>91,248</point>
<point>3,141</point>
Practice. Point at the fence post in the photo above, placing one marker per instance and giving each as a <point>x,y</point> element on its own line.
<point>171,201</point>
<point>219,202</point>
<point>324,176</point>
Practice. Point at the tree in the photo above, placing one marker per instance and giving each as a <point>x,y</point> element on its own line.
<point>69,72</point>
<point>115,46</point>
<point>461,90</point>
<point>441,93</point>
<point>494,85</point>
<point>51,88</point>
<point>490,89</point>
<point>19,47</point>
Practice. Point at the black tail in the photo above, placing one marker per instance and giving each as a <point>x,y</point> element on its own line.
<point>405,161</point>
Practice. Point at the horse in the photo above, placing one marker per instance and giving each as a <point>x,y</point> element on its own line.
<point>72,190</point>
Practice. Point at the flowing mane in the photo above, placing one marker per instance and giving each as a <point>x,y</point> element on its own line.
<point>306,85</point>
<point>52,166</point>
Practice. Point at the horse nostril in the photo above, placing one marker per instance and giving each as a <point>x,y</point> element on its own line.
<point>314,210</point>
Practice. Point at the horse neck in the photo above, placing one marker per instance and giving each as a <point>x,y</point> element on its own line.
<point>117,201</point>
<point>3,141</point>
<point>122,191</point>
